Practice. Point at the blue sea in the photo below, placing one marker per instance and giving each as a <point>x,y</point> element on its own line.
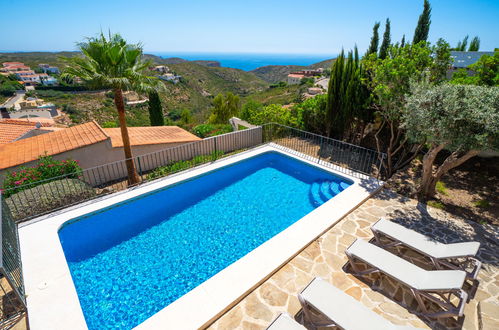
<point>130,261</point>
<point>248,62</point>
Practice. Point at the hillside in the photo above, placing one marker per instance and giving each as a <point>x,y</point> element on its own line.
<point>201,83</point>
<point>276,73</point>
<point>32,59</point>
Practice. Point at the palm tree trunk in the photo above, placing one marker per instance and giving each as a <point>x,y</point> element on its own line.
<point>133,178</point>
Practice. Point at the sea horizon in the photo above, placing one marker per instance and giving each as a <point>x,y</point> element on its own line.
<point>248,61</point>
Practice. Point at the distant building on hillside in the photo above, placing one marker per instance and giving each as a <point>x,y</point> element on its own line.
<point>170,77</point>
<point>49,69</point>
<point>12,67</point>
<point>160,68</point>
<point>48,81</point>
<point>462,60</point>
<point>295,78</point>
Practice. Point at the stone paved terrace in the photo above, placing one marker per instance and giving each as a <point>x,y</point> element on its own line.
<point>325,257</point>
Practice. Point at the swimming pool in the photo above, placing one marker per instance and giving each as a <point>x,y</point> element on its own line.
<point>131,260</point>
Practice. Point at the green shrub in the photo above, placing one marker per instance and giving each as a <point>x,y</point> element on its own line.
<point>482,203</point>
<point>109,124</point>
<point>183,165</point>
<point>46,169</point>
<point>47,197</point>
<point>436,204</point>
<point>207,130</point>
<point>441,187</point>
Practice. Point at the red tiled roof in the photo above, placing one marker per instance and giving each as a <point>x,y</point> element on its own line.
<point>44,122</point>
<point>10,132</point>
<point>151,135</point>
<point>30,149</point>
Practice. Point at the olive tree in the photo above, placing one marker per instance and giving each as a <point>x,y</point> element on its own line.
<point>461,119</point>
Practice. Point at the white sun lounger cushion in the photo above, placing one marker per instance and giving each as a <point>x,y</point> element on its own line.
<point>424,244</point>
<point>285,322</point>
<point>343,309</point>
<point>404,271</point>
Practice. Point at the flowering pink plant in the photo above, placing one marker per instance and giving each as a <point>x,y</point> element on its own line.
<point>47,169</point>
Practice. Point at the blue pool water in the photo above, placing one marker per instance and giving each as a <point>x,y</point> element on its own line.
<point>133,259</point>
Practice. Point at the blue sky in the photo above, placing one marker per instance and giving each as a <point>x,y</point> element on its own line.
<point>270,26</point>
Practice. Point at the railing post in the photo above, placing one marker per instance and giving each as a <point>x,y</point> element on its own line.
<point>320,150</point>
<point>140,167</point>
<point>215,156</point>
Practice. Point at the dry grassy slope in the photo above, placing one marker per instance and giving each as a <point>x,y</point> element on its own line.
<point>201,83</point>
<point>32,59</point>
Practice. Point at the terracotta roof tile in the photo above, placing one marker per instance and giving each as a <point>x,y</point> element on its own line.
<point>26,150</point>
<point>151,135</point>
<point>11,132</point>
<point>44,122</point>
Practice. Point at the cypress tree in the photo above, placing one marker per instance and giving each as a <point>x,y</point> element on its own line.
<point>423,27</point>
<point>402,43</point>
<point>348,97</point>
<point>461,45</point>
<point>155,110</point>
<point>373,46</point>
<point>383,50</point>
<point>474,44</point>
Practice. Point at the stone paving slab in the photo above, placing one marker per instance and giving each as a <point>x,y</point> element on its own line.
<point>325,257</point>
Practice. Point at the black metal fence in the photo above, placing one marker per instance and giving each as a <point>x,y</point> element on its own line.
<point>342,156</point>
<point>12,294</point>
<point>52,194</point>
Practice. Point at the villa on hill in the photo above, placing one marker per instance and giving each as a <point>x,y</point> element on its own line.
<point>90,144</point>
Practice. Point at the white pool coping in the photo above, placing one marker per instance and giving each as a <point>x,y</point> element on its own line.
<point>51,295</point>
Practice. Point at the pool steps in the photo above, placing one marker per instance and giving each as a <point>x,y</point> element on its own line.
<point>324,190</point>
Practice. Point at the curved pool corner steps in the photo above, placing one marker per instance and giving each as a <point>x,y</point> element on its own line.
<point>150,257</point>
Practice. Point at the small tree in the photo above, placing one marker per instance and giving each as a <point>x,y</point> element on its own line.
<point>391,79</point>
<point>486,72</point>
<point>383,50</point>
<point>423,27</point>
<point>463,120</point>
<point>474,44</point>
<point>155,110</point>
<point>373,46</point>
<point>224,107</point>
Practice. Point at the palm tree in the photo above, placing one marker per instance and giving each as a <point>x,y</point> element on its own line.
<point>112,63</point>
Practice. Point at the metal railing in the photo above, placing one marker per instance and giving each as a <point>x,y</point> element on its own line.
<point>12,294</point>
<point>43,197</point>
<point>346,157</point>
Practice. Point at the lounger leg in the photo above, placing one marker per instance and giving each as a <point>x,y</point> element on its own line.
<point>355,267</point>
<point>308,319</point>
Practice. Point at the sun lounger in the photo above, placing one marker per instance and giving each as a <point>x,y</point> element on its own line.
<point>437,286</point>
<point>443,256</point>
<point>339,308</point>
<point>285,322</point>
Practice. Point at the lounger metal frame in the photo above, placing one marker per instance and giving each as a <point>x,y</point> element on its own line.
<point>439,263</point>
<point>308,319</point>
<point>440,297</point>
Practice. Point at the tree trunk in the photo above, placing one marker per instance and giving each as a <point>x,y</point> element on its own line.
<point>427,175</point>
<point>430,178</point>
<point>133,178</point>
